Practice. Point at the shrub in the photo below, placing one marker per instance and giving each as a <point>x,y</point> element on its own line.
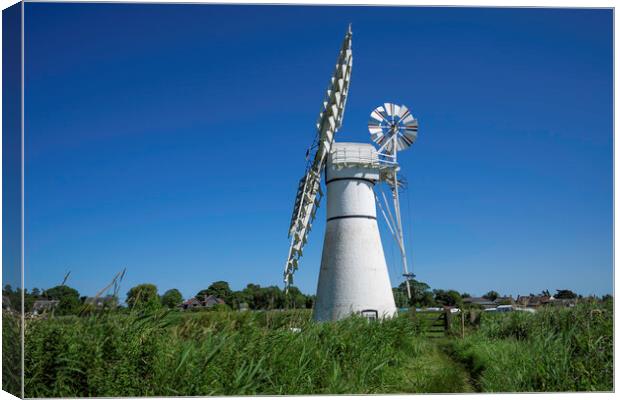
<point>556,349</point>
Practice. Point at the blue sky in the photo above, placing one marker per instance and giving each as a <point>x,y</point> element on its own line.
<point>11,146</point>
<point>169,139</point>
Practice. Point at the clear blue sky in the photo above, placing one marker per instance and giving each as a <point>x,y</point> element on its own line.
<point>11,146</point>
<point>169,139</point>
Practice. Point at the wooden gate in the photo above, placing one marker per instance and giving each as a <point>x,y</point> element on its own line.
<point>435,323</point>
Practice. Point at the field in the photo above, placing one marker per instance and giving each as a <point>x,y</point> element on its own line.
<point>284,352</point>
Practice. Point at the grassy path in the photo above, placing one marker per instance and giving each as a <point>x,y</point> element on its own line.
<point>436,372</point>
<point>471,384</point>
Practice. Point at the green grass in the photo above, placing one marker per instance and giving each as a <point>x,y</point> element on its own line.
<point>228,353</point>
<point>244,353</point>
<point>11,353</point>
<point>552,350</point>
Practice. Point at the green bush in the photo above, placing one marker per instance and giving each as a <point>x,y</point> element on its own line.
<point>556,349</point>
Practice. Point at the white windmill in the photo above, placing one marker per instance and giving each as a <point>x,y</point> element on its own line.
<point>353,276</point>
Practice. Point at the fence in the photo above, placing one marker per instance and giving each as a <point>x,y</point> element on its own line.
<point>439,324</point>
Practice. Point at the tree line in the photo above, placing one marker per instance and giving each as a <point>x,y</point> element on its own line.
<point>423,296</point>
<point>253,297</point>
<point>147,296</point>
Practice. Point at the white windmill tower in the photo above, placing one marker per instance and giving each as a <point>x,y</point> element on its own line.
<point>353,276</point>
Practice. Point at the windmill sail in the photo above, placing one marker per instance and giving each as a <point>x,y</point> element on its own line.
<point>309,191</point>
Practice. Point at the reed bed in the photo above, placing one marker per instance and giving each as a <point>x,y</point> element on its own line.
<point>554,350</point>
<point>231,353</point>
<point>283,352</point>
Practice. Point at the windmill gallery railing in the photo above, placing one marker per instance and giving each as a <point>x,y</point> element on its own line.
<point>360,156</point>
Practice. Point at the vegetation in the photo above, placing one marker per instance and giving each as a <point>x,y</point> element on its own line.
<point>220,289</point>
<point>448,297</point>
<point>226,353</point>
<point>11,353</point>
<point>555,349</point>
<point>565,294</point>
<point>491,295</point>
<point>164,353</point>
<point>143,297</point>
<point>150,348</point>
<point>69,299</point>
<point>171,298</point>
<point>252,296</point>
<point>423,296</point>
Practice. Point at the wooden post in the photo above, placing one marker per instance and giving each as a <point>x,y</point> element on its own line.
<point>462,323</point>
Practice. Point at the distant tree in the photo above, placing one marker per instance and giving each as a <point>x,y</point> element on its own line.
<point>447,297</point>
<point>272,298</point>
<point>171,298</point>
<point>456,298</point>
<point>465,295</point>
<point>250,294</point>
<point>546,293</point>
<point>238,298</point>
<point>262,298</point>
<point>295,298</point>
<point>14,297</point>
<point>143,297</point>
<point>564,294</point>
<point>310,300</point>
<point>29,300</point>
<point>267,298</point>
<point>400,298</point>
<point>491,295</point>
<point>252,287</point>
<point>69,299</point>
<point>607,297</point>
<point>219,289</point>
<point>427,300</point>
<point>421,295</point>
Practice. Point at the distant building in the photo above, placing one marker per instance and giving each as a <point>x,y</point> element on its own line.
<point>43,306</point>
<point>211,301</point>
<point>480,301</point>
<point>533,301</point>
<point>206,302</point>
<point>564,302</point>
<point>505,300</point>
<point>190,303</point>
